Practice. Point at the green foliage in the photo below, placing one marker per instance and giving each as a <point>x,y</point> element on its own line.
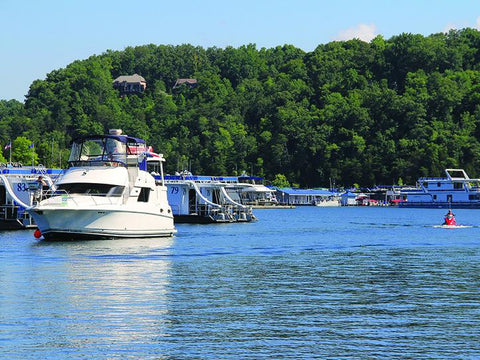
<point>280,180</point>
<point>23,151</point>
<point>353,112</point>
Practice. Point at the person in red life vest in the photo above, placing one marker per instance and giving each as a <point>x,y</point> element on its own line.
<point>450,218</point>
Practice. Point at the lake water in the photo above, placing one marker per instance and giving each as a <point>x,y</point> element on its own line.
<point>304,283</point>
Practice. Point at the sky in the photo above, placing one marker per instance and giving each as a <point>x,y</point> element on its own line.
<point>39,36</point>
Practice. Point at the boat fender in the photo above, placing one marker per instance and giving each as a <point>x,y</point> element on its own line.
<point>37,233</point>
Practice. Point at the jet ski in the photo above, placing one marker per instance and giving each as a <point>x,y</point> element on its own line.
<point>450,219</point>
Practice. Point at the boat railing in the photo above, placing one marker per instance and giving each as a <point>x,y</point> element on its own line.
<point>8,211</point>
<point>238,210</point>
<point>207,209</point>
<point>230,200</point>
<point>13,212</point>
<point>432,179</point>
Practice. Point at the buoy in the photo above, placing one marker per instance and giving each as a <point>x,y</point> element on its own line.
<point>37,233</point>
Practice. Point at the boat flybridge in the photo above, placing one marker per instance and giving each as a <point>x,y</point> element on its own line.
<point>106,193</point>
<point>456,190</point>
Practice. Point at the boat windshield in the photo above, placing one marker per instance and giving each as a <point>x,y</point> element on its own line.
<point>91,189</point>
<point>99,151</point>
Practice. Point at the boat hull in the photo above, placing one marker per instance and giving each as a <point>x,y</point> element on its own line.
<point>193,219</point>
<point>65,224</point>
<point>328,203</point>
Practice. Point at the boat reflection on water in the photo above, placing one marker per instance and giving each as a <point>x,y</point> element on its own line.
<point>111,289</point>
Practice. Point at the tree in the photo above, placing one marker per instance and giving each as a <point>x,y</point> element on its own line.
<point>23,151</point>
<point>280,180</point>
<point>353,111</point>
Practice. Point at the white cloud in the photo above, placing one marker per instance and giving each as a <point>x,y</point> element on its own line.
<point>452,26</point>
<point>363,32</point>
<point>448,27</point>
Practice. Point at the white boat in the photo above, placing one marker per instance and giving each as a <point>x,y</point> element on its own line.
<point>251,191</point>
<point>329,201</point>
<point>456,190</point>
<point>106,193</point>
<point>308,197</point>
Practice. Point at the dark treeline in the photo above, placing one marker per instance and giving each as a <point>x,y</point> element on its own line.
<point>382,112</point>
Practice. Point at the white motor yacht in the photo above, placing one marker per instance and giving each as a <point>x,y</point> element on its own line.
<point>106,193</point>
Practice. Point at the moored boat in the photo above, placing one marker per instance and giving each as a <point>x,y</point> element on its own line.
<point>205,199</point>
<point>455,190</point>
<point>308,197</point>
<point>330,201</point>
<point>20,189</point>
<point>106,193</point>
<point>251,191</point>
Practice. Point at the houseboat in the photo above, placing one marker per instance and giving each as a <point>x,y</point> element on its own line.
<point>299,197</point>
<point>20,187</point>
<point>205,199</point>
<point>455,190</point>
<point>252,192</point>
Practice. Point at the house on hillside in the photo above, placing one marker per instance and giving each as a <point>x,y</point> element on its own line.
<point>190,83</point>
<point>130,84</point>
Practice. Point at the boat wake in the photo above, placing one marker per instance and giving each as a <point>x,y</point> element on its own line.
<point>395,225</point>
<point>452,226</point>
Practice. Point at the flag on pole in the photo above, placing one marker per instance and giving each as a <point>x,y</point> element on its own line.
<point>8,146</point>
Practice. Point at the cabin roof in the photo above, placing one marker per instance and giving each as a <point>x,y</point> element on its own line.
<point>135,78</point>
<point>179,82</point>
<point>305,192</point>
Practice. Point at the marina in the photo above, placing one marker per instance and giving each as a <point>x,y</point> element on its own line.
<point>309,282</point>
<point>215,199</point>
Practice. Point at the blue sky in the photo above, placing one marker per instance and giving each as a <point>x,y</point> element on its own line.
<point>38,37</point>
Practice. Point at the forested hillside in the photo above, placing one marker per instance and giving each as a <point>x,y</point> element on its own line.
<point>355,112</point>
